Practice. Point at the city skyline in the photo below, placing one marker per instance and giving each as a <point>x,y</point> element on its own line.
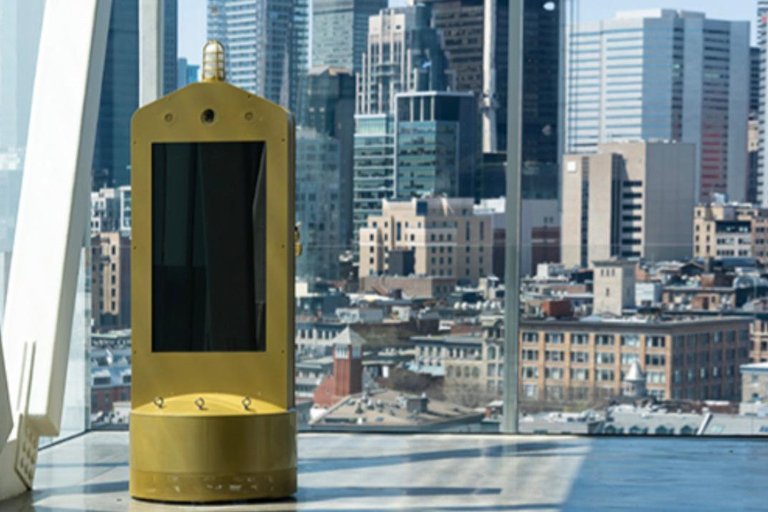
<point>192,17</point>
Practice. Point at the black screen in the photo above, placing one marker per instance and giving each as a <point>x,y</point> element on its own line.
<point>208,247</point>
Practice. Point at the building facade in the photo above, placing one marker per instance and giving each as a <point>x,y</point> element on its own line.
<point>628,200</point>
<point>446,237</point>
<point>111,210</point>
<point>730,230</point>
<point>318,205</point>
<point>110,281</point>
<point>464,34</point>
<point>687,358</point>
<point>266,43</point>
<point>613,290</point>
<point>753,159</point>
<point>754,82</point>
<point>374,166</point>
<point>403,54</point>
<point>340,31</point>
<point>762,158</point>
<point>120,89</point>
<point>754,379</point>
<point>664,75</point>
<point>329,110</point>
<point>186,73</point>
<point>436,144</point>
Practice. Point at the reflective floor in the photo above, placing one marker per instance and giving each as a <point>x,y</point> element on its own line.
<point>446,473</point>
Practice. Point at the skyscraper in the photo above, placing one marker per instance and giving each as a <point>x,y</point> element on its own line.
<point>120,89</point>
<point>754,82</point>
<point>436,144</point>
<point>299,55</point>
<point>318,204</point>
<point>762,152</point>
<point>340,31</point>
<point>664,75</point>
<point>460,24</point>
<point>266,44</point>
<point>403,55</point>
<point>170,45</point>
<point>330,112</point>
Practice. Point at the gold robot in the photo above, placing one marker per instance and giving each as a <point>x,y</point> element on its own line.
<point>213,250</point>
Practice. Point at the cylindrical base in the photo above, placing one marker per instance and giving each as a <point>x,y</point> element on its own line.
<point>206,459</point>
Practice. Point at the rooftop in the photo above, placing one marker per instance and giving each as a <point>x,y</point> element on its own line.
<point>444,473</point>
<point>755,368</point>
<point>647,321</point>
<point>392,410</point>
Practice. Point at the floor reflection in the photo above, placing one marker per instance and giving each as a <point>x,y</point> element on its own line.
<point>443,473</point>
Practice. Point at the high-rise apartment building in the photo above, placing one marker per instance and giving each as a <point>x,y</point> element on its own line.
<point>403,55</point>
<point>436,144</point>
<point>445,236</point>
<point>110,281</point>
<point>266,43</point>
<point>340,31</point>
<point>628,200</point>
<point>120,89</point>
<point>664,75</point>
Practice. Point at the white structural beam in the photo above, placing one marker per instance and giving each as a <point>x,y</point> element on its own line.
<point>50,229</point>
<point>151,28</point>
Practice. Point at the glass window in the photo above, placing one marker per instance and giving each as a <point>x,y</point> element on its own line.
<point>208,291</point>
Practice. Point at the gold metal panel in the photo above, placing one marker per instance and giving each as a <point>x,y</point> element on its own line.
<point>238,117</point>
<point>215,426</point>
<point>224,453</point>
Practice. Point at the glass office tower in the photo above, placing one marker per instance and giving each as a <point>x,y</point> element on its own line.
<point>120,89</point>
<point>340,31</point>
<point>436,144</point>
<point>266,43</point>
<point>664,75</point>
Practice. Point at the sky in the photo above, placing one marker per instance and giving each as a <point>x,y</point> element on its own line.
<point>192,15</point>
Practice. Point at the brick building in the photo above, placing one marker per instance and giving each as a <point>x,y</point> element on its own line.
<point>447,238</point>
<point>570,361</point>
<point>347,377</point>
